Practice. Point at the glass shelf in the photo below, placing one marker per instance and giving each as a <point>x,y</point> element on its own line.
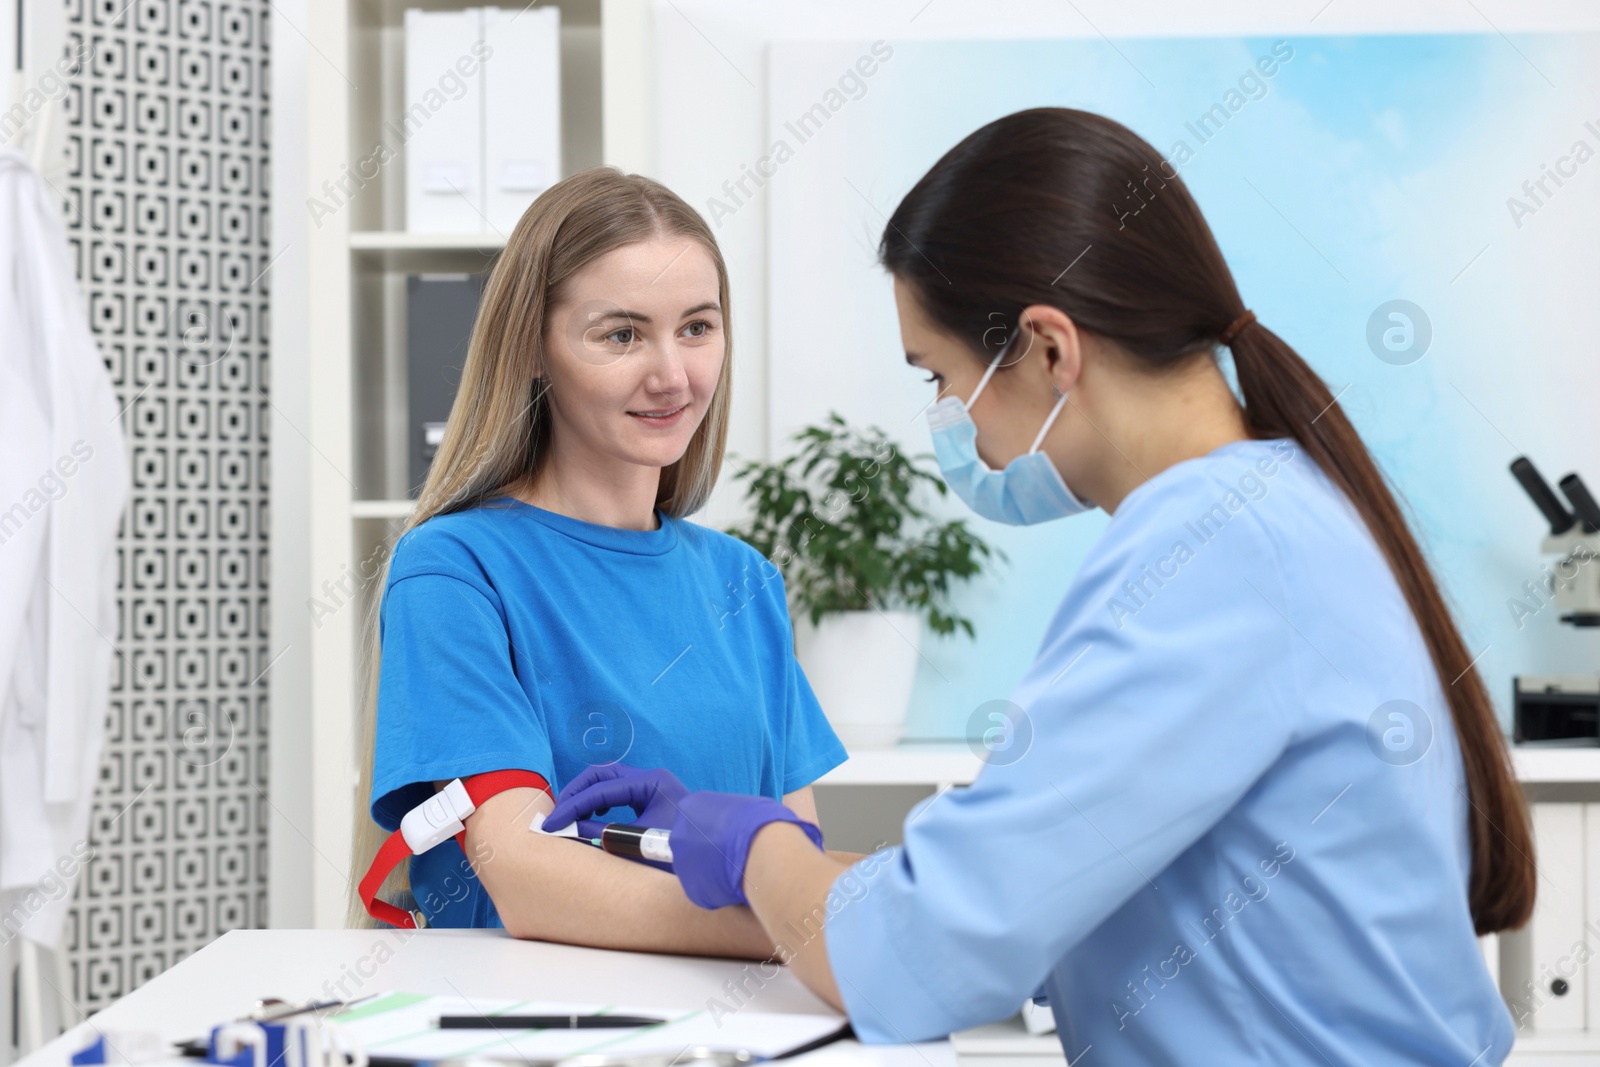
<point>381,509</point>
<point>411,253</point>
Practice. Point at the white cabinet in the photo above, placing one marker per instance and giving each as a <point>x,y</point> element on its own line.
<point>1542,970</point>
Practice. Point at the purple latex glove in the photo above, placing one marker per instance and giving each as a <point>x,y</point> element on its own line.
<point>653,794</point>
<point>711,842</point>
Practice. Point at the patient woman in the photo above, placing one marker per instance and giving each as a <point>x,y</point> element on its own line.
<point>549,608</point>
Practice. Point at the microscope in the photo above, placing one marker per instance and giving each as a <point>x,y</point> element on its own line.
<point>1560,709</point>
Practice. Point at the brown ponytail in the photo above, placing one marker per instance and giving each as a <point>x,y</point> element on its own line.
<point>990,229</point>
<point>1285,398</point>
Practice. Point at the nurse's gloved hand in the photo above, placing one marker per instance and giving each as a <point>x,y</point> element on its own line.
<point>653,794</point>
<point>711,842</point>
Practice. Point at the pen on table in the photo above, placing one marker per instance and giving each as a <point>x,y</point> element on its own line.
<point>545,1022</point>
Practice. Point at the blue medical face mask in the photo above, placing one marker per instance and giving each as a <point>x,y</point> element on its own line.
<point>1028,490</point>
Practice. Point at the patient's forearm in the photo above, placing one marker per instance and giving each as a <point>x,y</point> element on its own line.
<point>554,889</point>
<point>787,882</point>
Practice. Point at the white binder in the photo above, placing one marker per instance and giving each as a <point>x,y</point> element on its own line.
<point>522,110</point>
<point>442,124</point>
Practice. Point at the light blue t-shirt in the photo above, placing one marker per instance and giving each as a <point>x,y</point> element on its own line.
<point>1231,827</point>
<point>516,637</point>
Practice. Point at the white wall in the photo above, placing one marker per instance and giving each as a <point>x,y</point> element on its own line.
<point>711,61</point>
<point>708,78</point>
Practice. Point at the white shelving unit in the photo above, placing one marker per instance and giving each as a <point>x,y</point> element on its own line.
<point>340,389</point>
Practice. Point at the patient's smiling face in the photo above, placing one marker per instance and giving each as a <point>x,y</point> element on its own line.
<point>635,346</point>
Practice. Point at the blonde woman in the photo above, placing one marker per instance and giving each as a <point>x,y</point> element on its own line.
<point>549,609</point>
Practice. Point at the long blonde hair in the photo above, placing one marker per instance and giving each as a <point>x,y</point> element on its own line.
<point>500,423</point>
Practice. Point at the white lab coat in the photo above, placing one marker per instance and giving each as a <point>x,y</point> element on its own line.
<point>63,483</point>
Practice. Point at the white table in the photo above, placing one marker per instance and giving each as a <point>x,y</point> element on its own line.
<point>225,978</point>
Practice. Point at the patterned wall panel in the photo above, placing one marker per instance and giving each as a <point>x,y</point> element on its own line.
<point>166,202</point>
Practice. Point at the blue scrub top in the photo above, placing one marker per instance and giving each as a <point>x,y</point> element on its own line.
<point>1213,836</point>
<point>516,637</point>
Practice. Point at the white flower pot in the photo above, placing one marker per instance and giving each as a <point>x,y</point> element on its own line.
<point>861,665</point>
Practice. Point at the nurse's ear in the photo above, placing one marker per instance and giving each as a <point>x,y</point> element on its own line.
<point>1051,331</point>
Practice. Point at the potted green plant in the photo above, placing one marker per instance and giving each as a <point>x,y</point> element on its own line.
<point>864,566</point>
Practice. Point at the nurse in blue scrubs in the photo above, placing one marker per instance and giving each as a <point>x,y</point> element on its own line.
<point>1256,806</point>
<point>550,609</point>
